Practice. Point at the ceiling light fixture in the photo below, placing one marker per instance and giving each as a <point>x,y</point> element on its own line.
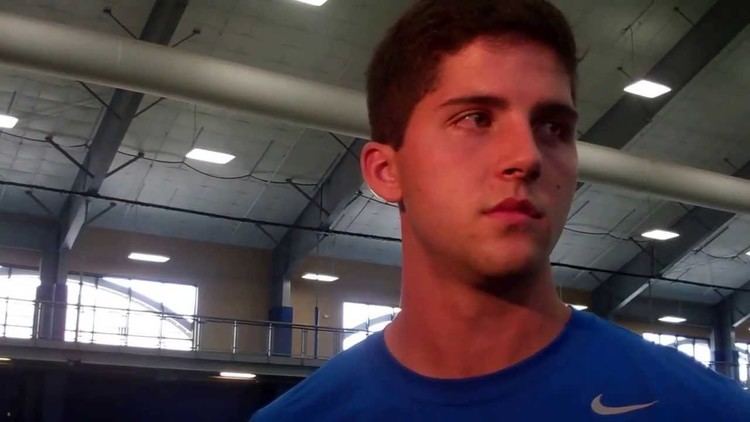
<point>647,89</point>
<point>746,253</point>
<point>672,319</point>
<point>237,375</point>
<point>4,359</point>
<point>146,257</point>
<point>320,277</point>
<point>578,307</point>
<point>7,122</point>
<point>313,2</point>
<point>209,156</point>
<point>660,235</point>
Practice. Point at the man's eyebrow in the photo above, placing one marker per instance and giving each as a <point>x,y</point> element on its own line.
<point>545,108</point>
<point>484,100</point>
<point>554,108</point>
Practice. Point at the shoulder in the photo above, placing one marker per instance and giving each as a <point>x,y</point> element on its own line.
<point>321,392</point>
<point>665,370</point>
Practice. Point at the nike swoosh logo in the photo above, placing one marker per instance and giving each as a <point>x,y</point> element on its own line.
<point>600,409</point>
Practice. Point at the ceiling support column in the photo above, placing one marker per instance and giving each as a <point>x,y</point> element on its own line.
<point>722,340</point>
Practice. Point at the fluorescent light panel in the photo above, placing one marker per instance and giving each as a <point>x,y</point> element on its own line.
<point>237,375</point>
<point>660,235</point>
<point>672,319</point>
<point>313,2</point>
<point>208,156</point>
<point>3,359</point>
<point>7,122</point>
<point>647,89</point>
<point>320,277</point>
<point>146,257</point>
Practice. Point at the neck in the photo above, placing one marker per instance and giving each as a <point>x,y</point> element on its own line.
<point>450,328</point>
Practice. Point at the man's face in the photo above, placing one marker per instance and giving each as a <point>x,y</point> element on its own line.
<point>487,169</point>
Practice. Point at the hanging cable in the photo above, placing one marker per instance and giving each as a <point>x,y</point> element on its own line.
<point>201,213</point>
<point>607,234</point>
<point>41,141</point>
<point>172,162</point>
<point>650,277</point>
<point>344,233</point>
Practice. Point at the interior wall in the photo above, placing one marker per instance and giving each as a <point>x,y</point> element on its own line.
<point>662,328</point>
<point>232,281</point>
<point>19,257</point>
<point>358,282</point>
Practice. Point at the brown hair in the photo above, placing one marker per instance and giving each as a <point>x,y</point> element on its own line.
<point>406,63</point>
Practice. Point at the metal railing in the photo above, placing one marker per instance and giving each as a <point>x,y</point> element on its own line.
<point>202,333</point>
<point>93,324</point>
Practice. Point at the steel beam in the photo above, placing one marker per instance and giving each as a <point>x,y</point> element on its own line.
<point>722,339</point>
<point>168,313</point>
<point>708,37</point>
<point>705,40</point>
<point>695,227</point>
<point>52,293</point>
<point>162,22</point>
<point>342,184</point>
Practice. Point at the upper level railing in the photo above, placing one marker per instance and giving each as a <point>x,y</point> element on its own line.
<point>92,324</point>
<point>198,333</point>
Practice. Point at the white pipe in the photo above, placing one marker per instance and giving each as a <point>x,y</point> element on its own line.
<point>74,53</point>
<point>664,179</point>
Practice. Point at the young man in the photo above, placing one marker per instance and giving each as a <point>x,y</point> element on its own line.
<point>472,107</point>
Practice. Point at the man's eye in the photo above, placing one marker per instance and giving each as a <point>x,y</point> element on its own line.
<point>552,131</point>
<point>475,120</point>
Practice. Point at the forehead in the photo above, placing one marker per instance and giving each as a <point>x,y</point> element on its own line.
<point>507,66</point>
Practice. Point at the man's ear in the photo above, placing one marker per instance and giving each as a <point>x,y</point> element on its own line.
<point>379,169</point>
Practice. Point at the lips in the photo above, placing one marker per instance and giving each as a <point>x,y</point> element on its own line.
<point>516,206</point>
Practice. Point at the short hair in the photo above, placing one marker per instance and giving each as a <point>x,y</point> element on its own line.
<point>405,66</point>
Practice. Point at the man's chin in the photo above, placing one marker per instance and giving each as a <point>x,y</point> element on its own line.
<point>517,268</point>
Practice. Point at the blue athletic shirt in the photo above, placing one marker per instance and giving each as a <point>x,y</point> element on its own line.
<point>593,371</point>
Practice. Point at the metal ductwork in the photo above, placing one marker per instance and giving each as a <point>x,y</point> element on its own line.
<point>80,54</point>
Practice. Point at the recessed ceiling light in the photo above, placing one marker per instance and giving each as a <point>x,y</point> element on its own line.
<point>209,156</point>
<point>578,307</point>
<point>672,319</point>
<point>647,89</point>
<point>660,235</point>
<point>237,375</point>
<point>320,277</point>
<point>146,257</point>
<point>7,122</point>
<point>313,2</point>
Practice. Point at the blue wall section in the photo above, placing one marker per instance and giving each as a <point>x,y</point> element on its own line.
<point>281,344</point>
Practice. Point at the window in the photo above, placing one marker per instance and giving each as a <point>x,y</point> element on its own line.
<point>696,348</point>
<point>743,351</point>
<point>136,313</point>
<point>115,311</point>
<point>367,319</point>
<point>17,295</point>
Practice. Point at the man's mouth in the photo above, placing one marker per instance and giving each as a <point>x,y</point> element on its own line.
<point>515,208</point>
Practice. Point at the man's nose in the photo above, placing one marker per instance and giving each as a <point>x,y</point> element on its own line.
<point>519,154</point>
